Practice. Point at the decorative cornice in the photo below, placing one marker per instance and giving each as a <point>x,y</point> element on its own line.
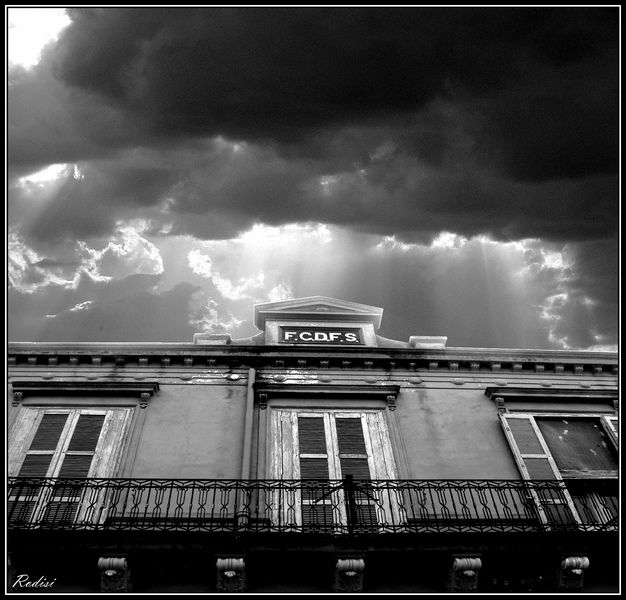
<point>123,357</point>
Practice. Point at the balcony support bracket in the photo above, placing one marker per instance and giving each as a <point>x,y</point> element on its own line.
<point>114,574</point>
<point>231,574</point>
<point>349,574</point>
<point>571,573</point>
<point>463,576</point>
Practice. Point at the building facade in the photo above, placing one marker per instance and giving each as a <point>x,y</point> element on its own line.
<point>314,456</point>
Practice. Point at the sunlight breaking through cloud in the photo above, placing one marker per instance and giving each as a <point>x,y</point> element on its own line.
<point>30,29</point>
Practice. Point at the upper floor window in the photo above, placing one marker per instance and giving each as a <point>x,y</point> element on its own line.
<point>61,445</point>
<point>580,450</point>
<point>51,442</point>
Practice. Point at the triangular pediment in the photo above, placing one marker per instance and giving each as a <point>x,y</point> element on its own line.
<point>316,308</point>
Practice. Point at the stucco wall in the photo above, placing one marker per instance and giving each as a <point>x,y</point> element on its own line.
<point>193,431</point>
<point>451,433</point>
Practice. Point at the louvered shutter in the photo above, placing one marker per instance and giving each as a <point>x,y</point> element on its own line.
<point>353,459</point>
<point>38,462</point>
<point>67,444</point>
<point>312,451</point>
<point>554,503</point>
<point>43,446</point>
<point>317,500</point>
<point>82,447</point>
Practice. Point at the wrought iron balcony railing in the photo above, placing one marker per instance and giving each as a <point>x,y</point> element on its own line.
<point>306,506</point>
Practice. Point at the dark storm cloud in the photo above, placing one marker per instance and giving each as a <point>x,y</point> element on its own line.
<point>212,191</point>
<point>126,309</point>
<point>285,74</point>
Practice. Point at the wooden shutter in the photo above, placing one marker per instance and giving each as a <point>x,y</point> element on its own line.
<point>38,461</point>
<point>533,458</point>
<point>64,444</point>
<point>352,452</point>
<point>312,451</point>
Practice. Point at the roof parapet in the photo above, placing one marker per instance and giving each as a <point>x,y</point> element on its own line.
<point>211,339</point>
<point>428,341</point>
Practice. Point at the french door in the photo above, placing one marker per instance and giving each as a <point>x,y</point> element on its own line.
<point>341,458</point>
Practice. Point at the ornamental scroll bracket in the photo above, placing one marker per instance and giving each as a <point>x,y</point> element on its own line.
<point>17,398</point>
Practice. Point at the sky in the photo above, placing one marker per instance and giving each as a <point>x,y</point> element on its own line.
<point>169,168</point>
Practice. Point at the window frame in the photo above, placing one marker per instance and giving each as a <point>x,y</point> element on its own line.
<point>606,422</point>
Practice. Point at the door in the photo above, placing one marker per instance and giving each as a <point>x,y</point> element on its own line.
<point>343,464</point>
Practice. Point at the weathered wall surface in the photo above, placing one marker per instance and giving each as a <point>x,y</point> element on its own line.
<point>193,431</point>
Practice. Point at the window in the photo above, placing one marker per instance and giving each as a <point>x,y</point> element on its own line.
<point>581,451</point>
<point>64,444</point>
<point>333,445</point>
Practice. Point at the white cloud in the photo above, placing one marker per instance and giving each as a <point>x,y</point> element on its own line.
<point>128,253</point>
<point>25,273</point>
<point>81,306</point>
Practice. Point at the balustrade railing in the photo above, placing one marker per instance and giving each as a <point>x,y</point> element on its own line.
<point>345,506</point>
